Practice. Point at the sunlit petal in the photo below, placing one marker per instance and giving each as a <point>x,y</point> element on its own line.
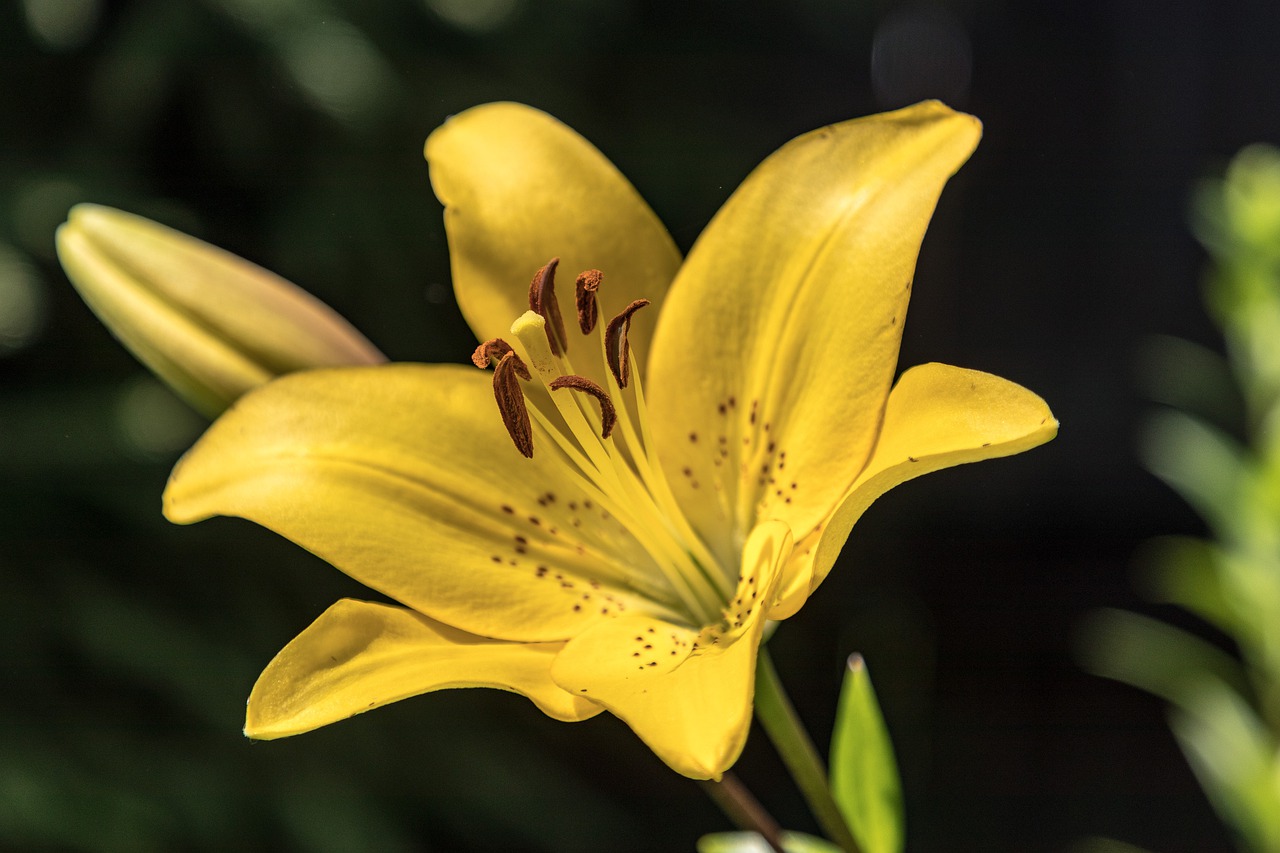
<point>779,339</point>
<point>358,656</point>
<point>937,416</point>
<point>403,477</point>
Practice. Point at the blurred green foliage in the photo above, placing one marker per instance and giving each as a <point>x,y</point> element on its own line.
<point>750,842</point>
<point>1219,448</point>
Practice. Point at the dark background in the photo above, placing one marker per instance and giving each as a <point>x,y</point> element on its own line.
<point>291,132</point>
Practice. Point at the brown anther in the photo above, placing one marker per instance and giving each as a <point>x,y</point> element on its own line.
<point>542,301</point>
<point>515,415</point>
<point>585,295</point>
<point>608,415</point>
<point>616,350</point>
<point>493,352</point>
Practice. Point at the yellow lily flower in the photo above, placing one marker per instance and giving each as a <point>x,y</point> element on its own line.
<point>210,324</point>
<point>599,541</point>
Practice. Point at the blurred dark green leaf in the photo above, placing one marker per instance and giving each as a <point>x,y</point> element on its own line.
<point>750,842</point>
<point>1155,656</point>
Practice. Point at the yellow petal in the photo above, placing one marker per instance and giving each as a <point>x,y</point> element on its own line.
<point>937,416</point>
<point>208,323</point>
<point>403,477</point>
<point>358,656</point>
<point>780,335</point>
<point>520,188</point>
<point>686,694</point>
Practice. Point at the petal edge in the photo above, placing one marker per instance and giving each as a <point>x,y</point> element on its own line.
<point>937,416</point>
<point>359,655</point>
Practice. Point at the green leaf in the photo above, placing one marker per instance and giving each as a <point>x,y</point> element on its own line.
<point>864,774</point>
<point>1233,755</point>
<point>1154,656</point>
<point>753,842</point>
<point>1208,468</point>
<point>1187,572</point>
<point>1190,377</point>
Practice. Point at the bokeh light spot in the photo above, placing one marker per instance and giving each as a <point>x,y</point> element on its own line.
<point>152,423</point>
<point>39,207</point>
<point>338,70</point>
<point>266,18</point>
<point>61,24</point>
<point>22,302</point>
<point>475,16</point>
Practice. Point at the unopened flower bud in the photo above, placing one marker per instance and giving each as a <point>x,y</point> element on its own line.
<point>210,324</point>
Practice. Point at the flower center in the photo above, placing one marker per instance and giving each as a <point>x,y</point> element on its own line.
<point>601,434</point>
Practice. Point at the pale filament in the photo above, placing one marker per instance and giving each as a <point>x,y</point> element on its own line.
<point>620,472</point>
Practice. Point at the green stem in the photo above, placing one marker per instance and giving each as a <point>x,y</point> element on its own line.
<point>778,716</point>
<point>741,807</point>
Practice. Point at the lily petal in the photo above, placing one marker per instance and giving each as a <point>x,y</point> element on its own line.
<point>686,694</point>
<point>358,656</point>
<point>937,416</point>
<point>403,477</point>
<point>778,343</point>
<point>520,188</point>
<point>210,324</point>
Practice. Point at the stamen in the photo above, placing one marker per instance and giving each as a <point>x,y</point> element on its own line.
<point>510,397</point>
<point>616,350</point>
<point>542,301</point>
<point>617,486</point>
<point>620,474</point>
<point>494,351</point>
<point>585,295</point>
<point>608,415</point>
